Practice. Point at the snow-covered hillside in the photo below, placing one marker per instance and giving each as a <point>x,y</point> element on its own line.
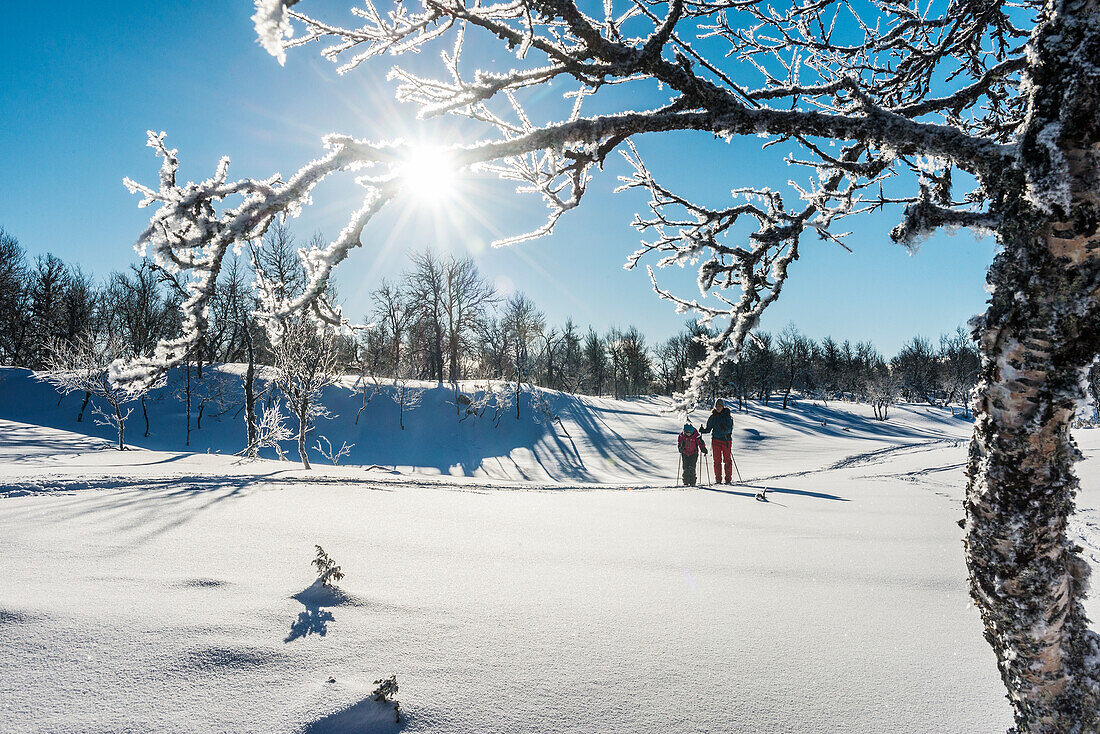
<point>161,590</point>
<point>599,440</point>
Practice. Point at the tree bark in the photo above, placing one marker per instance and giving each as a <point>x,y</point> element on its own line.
<point>455,368</point>
<point>83,405</point>
<point>303,417</point>
<point>1037,339</point>
<point>121,429</point>
<point>1027,577</point>
<point>187,439</point>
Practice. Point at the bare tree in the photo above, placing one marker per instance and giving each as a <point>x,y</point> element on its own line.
<point>306,362</point>
<point>616,362</point>
<point>15,331</point>
<point>959,365</point>
<point>794,356</point>
<point>494,346</point>
<point>332,453</point>
<point>571,369</point>
<point>271,431</point>
<point>830,368</point>
<point>393,313</point>
<point>917,370</point>
<point>1017,118</point>
<point>551,347</point>
<point>466,296</point>
<point>522,322</point>
<point>275,259</point>
<point>83,365</point>
<point>595,362</point>
<point>636,364</point>
<point>136,308</point>
<point>672,362</point>
<point>882,387</point>
<point>407,395</point>
<point>47,284</point>
<point>761,356</point>
<point>372,355</point>
<point>427,283</point>
<point>78,304</point>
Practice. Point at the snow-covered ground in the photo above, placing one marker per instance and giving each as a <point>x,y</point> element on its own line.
<point>161,590</point>
<point>594,440</point>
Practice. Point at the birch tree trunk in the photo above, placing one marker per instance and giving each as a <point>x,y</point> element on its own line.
<point>121,428</point>
<point>249,391</point>
<point>1026,575</point>
<point>1037,339</point>
<point>303,426</point>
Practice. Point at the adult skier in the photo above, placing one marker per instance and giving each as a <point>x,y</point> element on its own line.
<point>691,444</point>
<point>721,422</point>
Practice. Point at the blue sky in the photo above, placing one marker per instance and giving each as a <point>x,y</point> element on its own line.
<point>83,81</point>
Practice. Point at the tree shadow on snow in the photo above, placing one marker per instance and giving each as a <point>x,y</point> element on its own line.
<point>366,717</point>
<point>607,442</point>
<point>839,421</point>
<point>310,622</point>
<point>145,507</point>
<point>314,620</point>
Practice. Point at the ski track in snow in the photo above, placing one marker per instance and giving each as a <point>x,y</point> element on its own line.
<point>876,456</point>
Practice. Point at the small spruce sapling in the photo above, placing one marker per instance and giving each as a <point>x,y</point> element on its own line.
<point>384,693</point>
<point>329,574</point>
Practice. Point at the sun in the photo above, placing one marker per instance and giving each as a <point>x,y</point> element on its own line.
<point>430,174</point>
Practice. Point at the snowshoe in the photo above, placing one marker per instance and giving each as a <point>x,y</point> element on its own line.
<point>762,496</point>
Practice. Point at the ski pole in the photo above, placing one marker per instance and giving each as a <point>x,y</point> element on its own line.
<point>739,479</point>
<point>679,458</point>
<point>706,468</point>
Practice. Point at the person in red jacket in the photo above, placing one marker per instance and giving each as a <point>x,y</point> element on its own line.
<point>691,444</point>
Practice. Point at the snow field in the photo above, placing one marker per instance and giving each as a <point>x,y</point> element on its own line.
<point>499,610</point>
<point>157,590</point>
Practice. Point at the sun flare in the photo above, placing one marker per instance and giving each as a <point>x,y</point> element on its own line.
<point>430,174</point>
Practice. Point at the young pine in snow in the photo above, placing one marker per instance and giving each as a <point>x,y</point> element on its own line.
<point>328,573</point>
<point>384,692</point>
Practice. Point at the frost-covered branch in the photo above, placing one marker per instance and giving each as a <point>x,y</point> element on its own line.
<point>689,233</point>
<point>785,76</point>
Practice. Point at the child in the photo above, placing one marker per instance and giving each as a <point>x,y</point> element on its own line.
<point>691,445</point>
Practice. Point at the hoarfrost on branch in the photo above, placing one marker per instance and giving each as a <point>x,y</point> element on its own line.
<point>795,75</point>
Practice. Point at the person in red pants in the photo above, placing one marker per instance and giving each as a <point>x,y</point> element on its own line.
<point>721,423</point>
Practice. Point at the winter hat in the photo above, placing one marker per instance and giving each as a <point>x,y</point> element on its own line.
<point>688,428</point>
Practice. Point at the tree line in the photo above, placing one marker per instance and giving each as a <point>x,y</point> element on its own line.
<point>441,320</point>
